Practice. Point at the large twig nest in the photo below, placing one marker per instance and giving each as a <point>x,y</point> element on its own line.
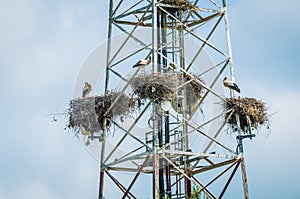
<point>167,87</point>
<point>178,4</point>
<point>251,112</point>
<point>158,86</point>
<point>177,7</point>
<point>90,112</point>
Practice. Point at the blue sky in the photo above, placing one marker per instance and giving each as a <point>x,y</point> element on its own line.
<point>42,47</point>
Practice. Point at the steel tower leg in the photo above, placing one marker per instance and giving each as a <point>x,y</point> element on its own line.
<point>240,141</point>
<point>244,177</point>
<point>154,113</point>
<point>101,179</point>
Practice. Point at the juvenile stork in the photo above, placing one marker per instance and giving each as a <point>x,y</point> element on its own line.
<point>86,89</point>
<point>231,85</point>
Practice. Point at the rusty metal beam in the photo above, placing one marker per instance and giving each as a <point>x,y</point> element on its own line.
<point>244,177</point>
<point>196,22</point>
<point>191,178</point>
<point>213,166</point>
<point>128,131</point>
<point>229,180</point>
<point>168,25</point>
<point>135,177</point>
<point>121,187</point>
<point>126,169</point>
<point>218,176</point>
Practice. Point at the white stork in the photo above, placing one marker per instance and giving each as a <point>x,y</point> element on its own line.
<point>86,89</point>
<point>231,85</point>
<point>142,63</point>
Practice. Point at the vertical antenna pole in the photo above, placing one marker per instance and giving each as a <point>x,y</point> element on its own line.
<point>155,122</point>
<point>227,29</point>
<point>240,139</point>
<point>166,115</point>
<point>244,177</point>
<point>101,180</point>
<point>240,151</point>
<point>187,181</point>
<point>108,46</point>
<point>154,37</point>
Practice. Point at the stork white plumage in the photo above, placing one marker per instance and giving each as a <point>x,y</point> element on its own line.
<point>86,89</point>
<point>231,85</point>
<point>142,63</point>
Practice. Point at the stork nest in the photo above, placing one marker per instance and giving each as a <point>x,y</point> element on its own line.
<point>251,112</point>
<point>90,112</point>
<point>178,4</point>
<point>159,86</point>
<point>164,86</point>
<point>174,6</point>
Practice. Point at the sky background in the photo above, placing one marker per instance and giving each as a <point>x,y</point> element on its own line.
<point>44,43</point>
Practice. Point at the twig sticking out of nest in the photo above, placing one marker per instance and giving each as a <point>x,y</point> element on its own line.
<point>163,86</point>
<point>249,110</point>
<point>90,112</point>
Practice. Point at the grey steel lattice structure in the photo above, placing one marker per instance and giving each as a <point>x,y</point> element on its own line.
<point>166,151</point>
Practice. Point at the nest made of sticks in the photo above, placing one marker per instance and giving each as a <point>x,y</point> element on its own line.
<point>90,112</point>
<point>158,86</point>
<point>164,86</point>
<point>179,4</point>
<point>251,112</point>
<point>174,6</point>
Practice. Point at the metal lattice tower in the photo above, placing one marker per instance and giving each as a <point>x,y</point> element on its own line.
<point>167,150</point>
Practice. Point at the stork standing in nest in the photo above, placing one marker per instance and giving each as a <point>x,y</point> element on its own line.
<point>231,85</point>
<point>142,63</point>
<point>86,89</point>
